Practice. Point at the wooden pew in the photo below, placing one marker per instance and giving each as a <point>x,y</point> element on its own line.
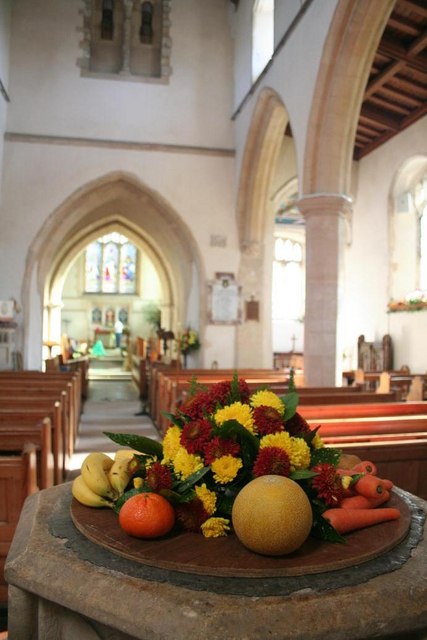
<point>31,377</point>
<point>43,389</point>
<point>18,479</point>
<point>367,410</point>
<point>38,411</point>
<point>15,436</point>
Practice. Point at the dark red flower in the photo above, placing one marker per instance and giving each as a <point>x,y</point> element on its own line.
<point>327,484</point>
<point>220,392</point>
<point>158,477</point>
<point>195,435</point>
<point>272,461</point>
<point>218,447</point>
<point>191,515</point>
<point>199,406</point>
<point>267,420</point>
<point>297,426</point>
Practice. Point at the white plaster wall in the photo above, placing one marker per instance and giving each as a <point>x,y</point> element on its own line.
<point>51,98</point>
<point>367,261</point>
<point>292,74</point>
<point>38,178</point>
<point>5,7</point>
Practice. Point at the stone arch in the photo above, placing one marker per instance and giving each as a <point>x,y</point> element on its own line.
<point>122,201</point>
<point>255,224</point>
<point>353,38</point>
<point>262,147</point>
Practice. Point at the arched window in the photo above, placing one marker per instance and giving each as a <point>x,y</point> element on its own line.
<point>262,35</point>
<point>420,203</point>
<point>288,280</point>
<point>107,20</point>
<point>146,29</point>
<point>111,265</point>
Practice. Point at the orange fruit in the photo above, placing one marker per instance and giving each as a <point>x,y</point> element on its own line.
<point>147,515</point>
<point>272,515</point>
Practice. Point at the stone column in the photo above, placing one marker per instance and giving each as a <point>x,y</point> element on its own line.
<point>325,217</point>
<point>127,26</point>
<point>254,346</point>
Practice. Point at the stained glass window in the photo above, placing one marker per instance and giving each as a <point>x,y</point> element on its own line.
<point>111,265</point>
<point>288,280</point>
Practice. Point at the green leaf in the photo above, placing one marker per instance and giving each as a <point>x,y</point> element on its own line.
<point>321,527</point>
<point>290,400</point>
<point>129,494</point>
<point>325,455</point>
<point>249,444</point>
<point>234,389</point>
<point>302,474</point>
<point>139,443</point>
<point>191,480</point>
<point>175,419</point>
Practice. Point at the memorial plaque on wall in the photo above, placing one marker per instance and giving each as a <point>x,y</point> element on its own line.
<point>224,300</point>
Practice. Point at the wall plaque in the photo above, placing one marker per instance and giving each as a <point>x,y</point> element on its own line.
<point>224,295</point>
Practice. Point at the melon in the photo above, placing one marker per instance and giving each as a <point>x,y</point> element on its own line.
<point>272,515</point>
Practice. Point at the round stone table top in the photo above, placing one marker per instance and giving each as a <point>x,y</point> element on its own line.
<point>52,561</point>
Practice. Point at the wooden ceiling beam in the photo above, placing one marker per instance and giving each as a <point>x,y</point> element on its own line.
<point>411,5</point>
<point>405,26</point>
<point>398,52</point>
<point>377,115</point>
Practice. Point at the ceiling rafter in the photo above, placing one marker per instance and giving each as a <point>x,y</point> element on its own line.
<point>396,92</point>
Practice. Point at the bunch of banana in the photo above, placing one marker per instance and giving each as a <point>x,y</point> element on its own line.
<point>124,466</point>
<point>102,479</point>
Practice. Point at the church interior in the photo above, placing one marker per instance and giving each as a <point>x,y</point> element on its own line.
<point>193,188</point>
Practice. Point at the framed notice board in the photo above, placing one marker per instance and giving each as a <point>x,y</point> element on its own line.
<point>224,300</point>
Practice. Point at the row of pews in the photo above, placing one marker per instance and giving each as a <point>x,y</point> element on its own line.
<point>39,419</point>
<point>374,425</point>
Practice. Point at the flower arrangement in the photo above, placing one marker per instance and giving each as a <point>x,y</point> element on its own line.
<point>188,341</point>
<point>414,301</point>
<point>222,438</point>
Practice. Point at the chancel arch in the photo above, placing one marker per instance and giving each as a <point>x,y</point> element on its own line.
<point>122,203</point>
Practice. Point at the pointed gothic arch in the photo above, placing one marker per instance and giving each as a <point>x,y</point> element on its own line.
<point>348,53</point>
<point>120,201</point>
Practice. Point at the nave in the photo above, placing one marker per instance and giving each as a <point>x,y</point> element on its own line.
<point>112,405</point>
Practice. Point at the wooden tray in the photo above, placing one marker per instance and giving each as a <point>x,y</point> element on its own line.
<point>226,556</point>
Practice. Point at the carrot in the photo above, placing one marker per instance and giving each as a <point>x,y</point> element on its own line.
<point>346,520</point>
<point>387,484</point>
<point>364,467</point>
<point>369,486</point>
<point>362,502</point>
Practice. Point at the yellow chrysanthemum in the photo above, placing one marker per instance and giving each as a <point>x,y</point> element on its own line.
<point>317,442</point>
<point>300,454</point>
<point>207,497</point>
<point>215,527</point>
<point>171,443</point>
<point>184,463</point>
<point>267,399</point>
<point>236,411</point>
<point>281,439</point>
<point>225,468</point>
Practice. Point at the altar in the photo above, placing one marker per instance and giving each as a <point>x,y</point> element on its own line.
<point>64,586</point>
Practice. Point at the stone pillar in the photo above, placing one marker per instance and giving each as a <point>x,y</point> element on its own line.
<point>325,217</point>
<point>254,346</point>
<point>127,26</point>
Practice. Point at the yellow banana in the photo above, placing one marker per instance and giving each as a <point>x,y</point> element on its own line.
<point>86,496</point>
<point>94,470</point>
<point>123,468</point>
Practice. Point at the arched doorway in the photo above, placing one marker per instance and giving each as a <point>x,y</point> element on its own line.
<point>121,202</point>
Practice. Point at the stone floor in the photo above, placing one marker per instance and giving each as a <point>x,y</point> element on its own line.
<point>112,405</point>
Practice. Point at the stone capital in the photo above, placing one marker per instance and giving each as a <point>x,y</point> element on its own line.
<point>325,203</point>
